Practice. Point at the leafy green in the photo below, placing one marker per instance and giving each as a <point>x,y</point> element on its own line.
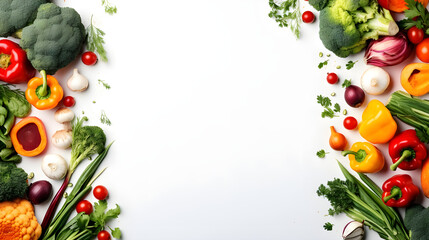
<point>361,201</point>
<point>100,216</point>
<point>14,100</point>
<point>328,226</point>
<point>350,64</point>
<point>417,221</point>
<point>116,233</point>
<point>13,182</point>
<point>326,103</point>
<point>321,64</point>
<point>287,14</point>
<point>337,107</point>
<point>415,15</point>
<point>95,40</point>
<point>321,153</point>
<point>346,83</point>
<point>108,8</point>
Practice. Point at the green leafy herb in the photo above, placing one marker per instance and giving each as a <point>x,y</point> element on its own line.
<point>350,64</point>
<point>106,85</point>
<point>287,14</point>
<point>321,64</point>
<point>108,8</point>
<point>95,40</point>
<point>328,226</point>
<point>116,233</point>
<point>346,83</point>
<point>337,107</point>
<point>104,119</point>
<point>326,103</point>
<point>321,153</point>
<point>416,15</point>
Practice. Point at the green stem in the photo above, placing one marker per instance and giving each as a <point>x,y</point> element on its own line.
<point>360,155</point>
<point>43,91</point>
<point>395,193</point>
<point>405,155</point>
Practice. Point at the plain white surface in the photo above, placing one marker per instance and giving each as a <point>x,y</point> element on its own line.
<point>215,121</point>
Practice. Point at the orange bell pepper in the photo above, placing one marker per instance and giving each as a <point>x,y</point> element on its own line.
<point>29,137</point>
<point>45,92</point>
<point>414,78</point>
<point>398,6</point>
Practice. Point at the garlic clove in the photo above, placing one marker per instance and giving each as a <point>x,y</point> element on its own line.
<point>64,115</point>
<point>77,82</point>
<point>54,166</point>
<point>62,138</point>
<point>354,230</point>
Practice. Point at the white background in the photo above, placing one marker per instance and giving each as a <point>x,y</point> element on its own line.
<point>215,121</point>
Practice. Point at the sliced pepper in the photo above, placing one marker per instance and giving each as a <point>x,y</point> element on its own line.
<point>399,191</point>
<point>45,92</point>
<point>414,78</point>
<point>14,64</point>
<point>377,125</point>
<point>365,158</point>
<point>29,137</point>
<point>407,151</point>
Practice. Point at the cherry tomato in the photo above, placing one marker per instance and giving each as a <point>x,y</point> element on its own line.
<point>89,58</point>
<point>69,101</point>
<point>100,192</point>
<point>308,17</point>
<point>84,206</point>
<point>422,50</point>
<point>350,123</point>
<point>332,78</point>
<point>415,35</point>
<point>103,235</point>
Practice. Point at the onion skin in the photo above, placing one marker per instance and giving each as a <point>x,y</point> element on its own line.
<point>388,51</point>
<point>354,96</point>
<point>39,191</point>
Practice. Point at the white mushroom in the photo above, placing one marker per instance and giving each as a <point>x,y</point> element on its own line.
<point>54,166</point>
<point>77,82</point>
<point>62,138</point>
<point>375,80</point>
<point>64,115</point>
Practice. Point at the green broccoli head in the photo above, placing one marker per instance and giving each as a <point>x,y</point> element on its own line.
<point>346,25</point>
<point>16,14</point>
<point>13,182</point>
<point>54,39</point>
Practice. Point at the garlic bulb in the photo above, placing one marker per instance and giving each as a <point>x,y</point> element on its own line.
<point>77,82</point>
<point>354,230</point>
<point>62,139</point>
<point>54,166</point>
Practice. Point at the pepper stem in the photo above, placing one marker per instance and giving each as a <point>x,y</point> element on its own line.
<point>44,89</point>
<point>395,193</point>
<point>405,155</point>
<point>360,155</point>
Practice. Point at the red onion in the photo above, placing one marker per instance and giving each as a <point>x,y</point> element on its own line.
<point>354,96</point>
<point>39,191</point>
<point>388,51</point>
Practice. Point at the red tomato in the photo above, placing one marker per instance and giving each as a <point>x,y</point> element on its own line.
<point>422,50</point>
<point>415,35</point>
<point>350,123</point>
<point>69,101</point>
<point>332,78</point>
<point>84,206</point>
<point>89,58</point>
<point>100,192</point>
<point>103,235</point>
<point>308,17</point>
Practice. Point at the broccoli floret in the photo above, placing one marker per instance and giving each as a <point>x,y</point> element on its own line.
<point>346,25</point>
<point>16,14</point>
<point>54,39</point>
<point>13,182</point>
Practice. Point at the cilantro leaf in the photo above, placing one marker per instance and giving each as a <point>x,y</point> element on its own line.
<point>324,101</point>
<point>337,107</point>
<point>321,153</point>
<point>350,64</point>
<point>346,83</point>
<point>116,233</point>
<point>112,213</point>
<point>320,66</point>
<point>328,226</point>
<point>286,14</point>
<point>328,112</point>
<point>100,216</point>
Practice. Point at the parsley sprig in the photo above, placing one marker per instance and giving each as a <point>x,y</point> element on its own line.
<point>286,14</point>
<point>321,153</point>
<point>416,15</point>
<point>95,40</point>
<point>326,103</point>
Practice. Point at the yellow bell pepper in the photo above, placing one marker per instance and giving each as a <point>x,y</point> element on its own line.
<point>414,78</point>
<point>365,158</point>
<point>377,125</point>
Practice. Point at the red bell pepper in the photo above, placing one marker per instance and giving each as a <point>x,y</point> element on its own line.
<point>14,64</point>
<point>399,191</point>
<point>407,151</point>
